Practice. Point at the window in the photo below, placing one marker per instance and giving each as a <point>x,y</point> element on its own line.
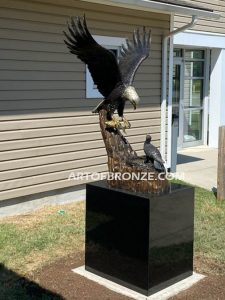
<point>112,43</point>
<point>177,53</point>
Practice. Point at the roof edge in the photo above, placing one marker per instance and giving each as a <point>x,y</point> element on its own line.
<point>182,3</point>
<point>159,7</point>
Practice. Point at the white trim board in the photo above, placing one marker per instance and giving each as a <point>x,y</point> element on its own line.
<point>200,39</point>
<point>206,32</point>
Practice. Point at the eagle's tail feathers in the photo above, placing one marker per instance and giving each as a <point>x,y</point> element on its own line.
<point>159,166</point>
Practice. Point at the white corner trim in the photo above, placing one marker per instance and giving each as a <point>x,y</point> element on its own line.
<point>206,97</point>
<point>166,101</point>
<point>170,104</point>
<point>110,43</point>
<point>217,91</point>
<point>200,39</point>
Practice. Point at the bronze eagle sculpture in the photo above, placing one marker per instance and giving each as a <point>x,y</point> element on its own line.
<point>113,79</point>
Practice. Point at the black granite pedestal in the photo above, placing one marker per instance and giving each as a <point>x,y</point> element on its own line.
<point>142,242</point>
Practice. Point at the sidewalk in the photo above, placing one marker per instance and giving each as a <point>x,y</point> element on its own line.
<point>199,165</point>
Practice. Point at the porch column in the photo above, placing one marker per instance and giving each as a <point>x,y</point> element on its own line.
<point>217,96</point>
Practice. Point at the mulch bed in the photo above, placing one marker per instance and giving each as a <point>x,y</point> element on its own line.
<point>211,288</point>
<point>59,279</point>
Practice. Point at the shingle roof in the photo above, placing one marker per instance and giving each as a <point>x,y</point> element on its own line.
<point>184,4</point>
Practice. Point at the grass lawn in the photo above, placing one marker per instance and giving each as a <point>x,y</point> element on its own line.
<point>209,227</point>
<point>29,242</point>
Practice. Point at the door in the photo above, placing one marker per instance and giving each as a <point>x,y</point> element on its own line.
<point>188,95</point>
<point>193,97</point>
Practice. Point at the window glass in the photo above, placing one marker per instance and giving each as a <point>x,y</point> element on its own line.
<point>194,54</point>
<point>193,92</point>
<point>192,126</point>
<point>176,84</point>
<point>177,53</point>
<point>194,68</point>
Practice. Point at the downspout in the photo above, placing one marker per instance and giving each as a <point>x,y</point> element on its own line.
<point>164,112</point>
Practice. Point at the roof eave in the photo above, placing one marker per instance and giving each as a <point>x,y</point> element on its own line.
<point>159,7</point>
<point>176,9</point>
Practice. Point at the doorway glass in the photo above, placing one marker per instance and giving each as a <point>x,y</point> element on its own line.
<point>192,125</point>
<point>176,86</point>
<point>188,95</point>
<point>193,92</point>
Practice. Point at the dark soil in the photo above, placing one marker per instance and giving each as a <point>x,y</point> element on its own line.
<point>211,288</point>
<point>59,279</point>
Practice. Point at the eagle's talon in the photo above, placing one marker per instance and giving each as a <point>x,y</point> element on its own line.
<point>114,123</point>
<point>127,124</point>
<point>118,124</point>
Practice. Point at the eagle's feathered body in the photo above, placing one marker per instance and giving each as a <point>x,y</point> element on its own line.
<point>113,102</point>
<point>114,80</point>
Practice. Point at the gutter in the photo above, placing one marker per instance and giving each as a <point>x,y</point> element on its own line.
<point>164,113</point>
<point>159,7</point>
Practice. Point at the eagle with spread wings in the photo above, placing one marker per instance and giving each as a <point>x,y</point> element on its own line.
<point>113,78</point>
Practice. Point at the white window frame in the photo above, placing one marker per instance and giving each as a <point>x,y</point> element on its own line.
<point>109,43</point>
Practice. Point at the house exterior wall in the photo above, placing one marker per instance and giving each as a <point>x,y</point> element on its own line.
<point>214,26</point>
<point>47,129</point>
<point>217,106</point>
<point>209,34</point>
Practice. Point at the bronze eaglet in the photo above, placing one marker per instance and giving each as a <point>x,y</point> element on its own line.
<point>153,155</point>
<point>112,78</point>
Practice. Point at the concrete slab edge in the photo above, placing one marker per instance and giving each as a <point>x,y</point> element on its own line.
<point>162,295</point>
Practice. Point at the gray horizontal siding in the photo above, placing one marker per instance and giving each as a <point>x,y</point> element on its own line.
<point>214,26</point>
<point>47,129</point>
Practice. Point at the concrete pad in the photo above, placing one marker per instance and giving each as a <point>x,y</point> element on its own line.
<point>162,295</point>
<point>28,204</point>
<point>198,166</point>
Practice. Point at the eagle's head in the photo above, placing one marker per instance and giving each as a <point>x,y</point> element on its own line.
<point>131,95</point>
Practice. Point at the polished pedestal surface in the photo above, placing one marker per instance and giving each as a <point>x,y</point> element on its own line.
<point>142,242</point>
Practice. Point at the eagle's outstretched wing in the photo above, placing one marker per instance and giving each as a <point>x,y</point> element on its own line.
<point>101,62</point>
<point>133,54</point>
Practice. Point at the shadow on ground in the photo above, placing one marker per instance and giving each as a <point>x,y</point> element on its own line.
<point>14,287</point>
<point>185,159</point>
